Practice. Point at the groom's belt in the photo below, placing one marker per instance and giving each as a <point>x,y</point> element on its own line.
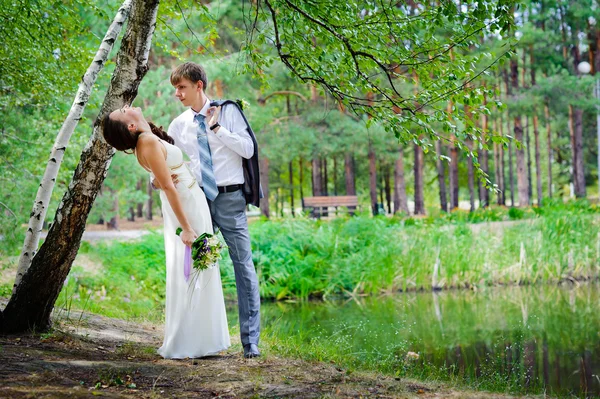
<point>228,189</point>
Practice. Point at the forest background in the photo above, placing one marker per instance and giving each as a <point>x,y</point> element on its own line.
<point>310,145</point>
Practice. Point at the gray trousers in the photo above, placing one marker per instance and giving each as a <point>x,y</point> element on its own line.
<point>228,212</point>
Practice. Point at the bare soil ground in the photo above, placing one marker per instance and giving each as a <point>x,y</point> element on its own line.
<point>93,356</point>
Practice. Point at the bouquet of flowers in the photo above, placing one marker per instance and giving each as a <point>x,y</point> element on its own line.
<point>205,252</point>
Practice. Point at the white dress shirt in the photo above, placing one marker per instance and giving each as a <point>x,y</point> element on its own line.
<point>227,146</point>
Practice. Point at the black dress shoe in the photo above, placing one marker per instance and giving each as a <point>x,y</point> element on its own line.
<point>250,351</point>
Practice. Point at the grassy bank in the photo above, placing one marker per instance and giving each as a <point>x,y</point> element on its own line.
<point>302,258</point>
<point>363,255</point>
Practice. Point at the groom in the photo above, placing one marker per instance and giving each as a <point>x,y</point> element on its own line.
<point>216,139</point>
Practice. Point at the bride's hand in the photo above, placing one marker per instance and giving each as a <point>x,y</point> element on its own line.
<point>188,237</point>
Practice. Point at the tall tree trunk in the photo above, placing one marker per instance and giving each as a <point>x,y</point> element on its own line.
<point>317,184</point>
<point>483,154</point>
<point>131,214</point>
<point>521,168</point>
<point>418,171</point>
<point>499,164</point>
<point>140,205</point>
<point>470,169</point>
<point>324,182</point>
<point>373,178</point>
<point>471,179</point>
<point>42,198</point>
<point>291,173</point>
<point>520,153</point>
<point>372,168</point>
<point>149,203</point>
<point>511,175</point>
<point>441,172</point>
<point>549,148</point>
<point>317,181</point>
<point>33,299</point>
<point>265,207</point>
<point>349,178</point>
<point>400,200</point>
<point>387,188</point>
<point>453,177</point>
<point>301,169</point>
<point>381,191</point>
<point>335,170</point>
<point>538,163</point>
<point>113,223</point>
<point>577,149</point>
<point>349,174</point>
<point>528,149</point>
<point>325,178</point>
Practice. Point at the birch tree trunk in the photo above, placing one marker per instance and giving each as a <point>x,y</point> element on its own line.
<point>42,199</point>
<point>33,299</point>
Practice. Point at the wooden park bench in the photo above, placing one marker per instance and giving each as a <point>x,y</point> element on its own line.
<point>320,205</point>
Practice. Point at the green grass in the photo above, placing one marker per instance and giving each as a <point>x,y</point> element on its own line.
<point>302,258</point>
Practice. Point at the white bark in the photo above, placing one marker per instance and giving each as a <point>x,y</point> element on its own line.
<point>42,199</point>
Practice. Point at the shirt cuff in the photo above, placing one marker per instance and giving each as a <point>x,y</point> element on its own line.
<point>222,132</point>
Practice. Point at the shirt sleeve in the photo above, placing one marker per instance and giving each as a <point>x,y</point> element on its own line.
<point>174,131</point>
<point>234,132</point>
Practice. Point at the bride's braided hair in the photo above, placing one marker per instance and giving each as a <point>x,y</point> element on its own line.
<point>158,131</point>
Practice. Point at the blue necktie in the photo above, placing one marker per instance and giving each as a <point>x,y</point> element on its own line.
<point>208,177</point>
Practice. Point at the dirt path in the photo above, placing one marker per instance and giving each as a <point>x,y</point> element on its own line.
<point>94,356</point>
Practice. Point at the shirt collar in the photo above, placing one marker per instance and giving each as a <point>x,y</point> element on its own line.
<point>203,110</point>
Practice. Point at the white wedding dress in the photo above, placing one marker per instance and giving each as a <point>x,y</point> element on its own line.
<point>196,321</point>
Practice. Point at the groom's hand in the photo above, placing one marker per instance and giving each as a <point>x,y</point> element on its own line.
<point>156,184</point>
<point>213,115</point>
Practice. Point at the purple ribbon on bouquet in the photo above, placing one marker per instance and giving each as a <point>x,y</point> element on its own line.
<point>187,263</point>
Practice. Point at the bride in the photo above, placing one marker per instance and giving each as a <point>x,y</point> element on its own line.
<point>196,322</point>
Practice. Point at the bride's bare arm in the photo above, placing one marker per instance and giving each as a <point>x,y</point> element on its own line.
<point>150,151</point>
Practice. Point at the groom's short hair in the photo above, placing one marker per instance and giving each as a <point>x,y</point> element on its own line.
<point>190,71</point>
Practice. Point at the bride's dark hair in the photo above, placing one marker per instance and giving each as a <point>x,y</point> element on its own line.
<point>118,135</point>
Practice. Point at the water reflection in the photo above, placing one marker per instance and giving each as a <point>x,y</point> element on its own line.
<point>522,339</point>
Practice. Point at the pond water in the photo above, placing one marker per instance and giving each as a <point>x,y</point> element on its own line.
<point>516,339</point>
